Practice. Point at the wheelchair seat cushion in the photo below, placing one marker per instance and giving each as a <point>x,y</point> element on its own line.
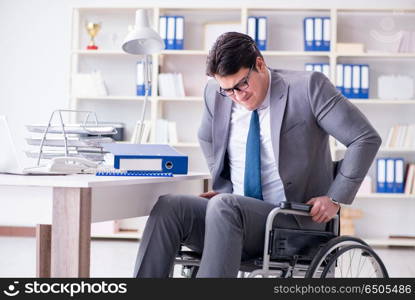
<point>289,244</point>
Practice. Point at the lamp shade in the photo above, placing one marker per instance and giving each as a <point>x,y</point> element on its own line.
<point>143,39</point>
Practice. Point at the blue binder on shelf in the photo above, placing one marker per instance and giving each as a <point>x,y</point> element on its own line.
<point>309,34</point>
<point>339,78</point>
<point>390,175</point>
<point>163,29</point>
<point>147,158</point>
<point>179,33</point>
<point>364,81</point>
<point>309,67</point>
<point>381,175</point>
<point>252,28</point>
<point>399,175</point>
<point>171,32</point>
<point>326,34</point>
<point>262,33</point>
<point>356,82</point>
<point>347,80</point>
<point>318,34</point>
<point>140,88</point>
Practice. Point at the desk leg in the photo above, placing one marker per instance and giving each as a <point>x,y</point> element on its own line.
<point>71,232</point>
<point>43,234</point>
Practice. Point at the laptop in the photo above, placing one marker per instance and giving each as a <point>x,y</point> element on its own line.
<point>9,162</point>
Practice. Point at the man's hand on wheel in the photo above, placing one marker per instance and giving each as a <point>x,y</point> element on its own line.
<point>324,209</point>
<point>209,194</point>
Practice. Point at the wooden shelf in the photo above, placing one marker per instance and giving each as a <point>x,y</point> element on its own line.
<point>265,53</point>
<point>296,53</point>
<point>185,145</point>
<point>377,55</point>
<point>381,101</point>
<point>114,98</point>
<point>385,149</point>
<point>379,242</point>
<point>185,52</point>
<point>99,52</point>
<point>385,196</point>
<point>183,99</point>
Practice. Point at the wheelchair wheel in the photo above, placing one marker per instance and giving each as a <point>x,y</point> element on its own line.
<point>346,256</point>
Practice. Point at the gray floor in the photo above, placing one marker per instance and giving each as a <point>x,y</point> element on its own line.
<point>113,258</point>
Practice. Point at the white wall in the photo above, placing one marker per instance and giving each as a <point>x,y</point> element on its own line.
<point>35,44</point>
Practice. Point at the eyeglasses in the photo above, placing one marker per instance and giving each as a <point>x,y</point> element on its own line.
<point>241,86</point>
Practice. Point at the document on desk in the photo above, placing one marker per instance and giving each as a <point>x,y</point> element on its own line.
<point>148,157</point>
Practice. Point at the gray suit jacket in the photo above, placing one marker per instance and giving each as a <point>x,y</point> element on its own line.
<point>305,108</point>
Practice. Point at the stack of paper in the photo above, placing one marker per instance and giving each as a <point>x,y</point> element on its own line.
<point>171,85</point>
<point>81,141</point>
<point>402,136</point>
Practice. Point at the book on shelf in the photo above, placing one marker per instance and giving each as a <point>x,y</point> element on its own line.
<point>171,85</point>
<point>402,136</point>
<point>406,42</point>
<point>166,132</point>
<point>145,138</point>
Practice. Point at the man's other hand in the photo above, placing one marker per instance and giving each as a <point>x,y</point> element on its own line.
<point>324,209</point>
<point>209,194</point>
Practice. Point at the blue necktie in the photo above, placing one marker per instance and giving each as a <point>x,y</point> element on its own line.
<point>252,179</point>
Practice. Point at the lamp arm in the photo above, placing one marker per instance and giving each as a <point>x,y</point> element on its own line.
<point>147,84</point>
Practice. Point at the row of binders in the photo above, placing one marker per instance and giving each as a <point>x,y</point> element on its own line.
<point>257,30</point>
<point>317,34</point>
<point>353,80</point>
<point>171,29</point>
<point>401,136</point>
<point>390,175</point>
<point>323,68</point>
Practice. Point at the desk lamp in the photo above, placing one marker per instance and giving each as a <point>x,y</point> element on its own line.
<point>143,40</point>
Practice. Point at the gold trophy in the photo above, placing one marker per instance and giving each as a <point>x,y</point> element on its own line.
<point>92,29</point>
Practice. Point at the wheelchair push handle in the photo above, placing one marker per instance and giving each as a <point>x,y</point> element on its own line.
<point>296,206</point>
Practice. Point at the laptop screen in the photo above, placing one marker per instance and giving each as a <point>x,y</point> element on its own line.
<point>8,155</point>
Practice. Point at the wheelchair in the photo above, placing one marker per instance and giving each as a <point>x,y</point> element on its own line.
<point>290,253</point>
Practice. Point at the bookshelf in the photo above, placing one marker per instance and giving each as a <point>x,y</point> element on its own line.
<point>284,24</point>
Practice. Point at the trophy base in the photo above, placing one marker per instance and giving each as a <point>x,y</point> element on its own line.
<point>92,47</point>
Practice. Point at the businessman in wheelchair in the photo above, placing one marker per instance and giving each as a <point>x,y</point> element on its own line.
<point>276,193</point>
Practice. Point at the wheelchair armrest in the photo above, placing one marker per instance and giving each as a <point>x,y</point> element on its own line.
<point>296,206</point>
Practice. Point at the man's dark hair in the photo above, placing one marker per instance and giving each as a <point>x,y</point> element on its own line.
<point>231,52</point>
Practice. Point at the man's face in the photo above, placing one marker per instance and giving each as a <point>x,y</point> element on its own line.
<point>247,87</point>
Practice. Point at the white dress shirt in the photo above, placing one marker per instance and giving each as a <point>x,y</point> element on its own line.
<point>272,187</point>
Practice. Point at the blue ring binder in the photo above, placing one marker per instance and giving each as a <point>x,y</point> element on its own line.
<point>116,172</point>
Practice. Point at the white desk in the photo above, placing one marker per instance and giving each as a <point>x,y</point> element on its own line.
<point>74,201</point>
